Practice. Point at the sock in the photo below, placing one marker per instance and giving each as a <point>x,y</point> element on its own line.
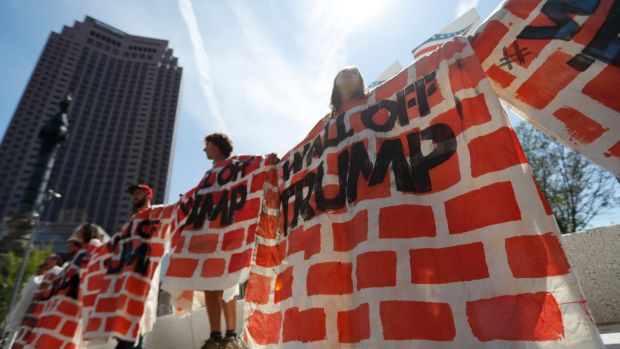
<point>216,335</point>
<point>231,333</point>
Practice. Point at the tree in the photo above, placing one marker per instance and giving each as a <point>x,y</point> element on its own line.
<point>576,189</point>
<point>37,256</point>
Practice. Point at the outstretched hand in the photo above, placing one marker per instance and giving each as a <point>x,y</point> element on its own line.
<point>273,159</point>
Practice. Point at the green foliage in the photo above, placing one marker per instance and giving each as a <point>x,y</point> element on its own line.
<point>576,189</point>
<point>37,256</point>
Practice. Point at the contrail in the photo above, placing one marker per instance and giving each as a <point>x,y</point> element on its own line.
<point>202,61</point>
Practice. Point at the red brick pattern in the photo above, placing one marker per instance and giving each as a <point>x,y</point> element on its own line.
<point>577,104</point>
<point>526,317</point>
<point>212,255</point>
<point>25,335</point>
<point>448,264</point>
<point>376,269</point>
<point>60,303</point>
<point>117,289</point>
<point>354,325</point>
<point>411,268</point>
<point>304,325</point>
<point>403,320</point>
<point>536,256</point>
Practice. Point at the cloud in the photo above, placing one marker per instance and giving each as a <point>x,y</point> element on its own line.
<point>286,77</point>
<point>464,5</point>
<point>203,63</point>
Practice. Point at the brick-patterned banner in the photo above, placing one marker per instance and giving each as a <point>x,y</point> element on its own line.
<point>412,221</point>
<point>31,317</point>
<point>122,279</point>
<point>213,250</point>
<point>59,323</point>
<point>557,64</point>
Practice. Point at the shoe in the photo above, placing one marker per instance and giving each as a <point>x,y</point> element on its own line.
<point>231,343</point>
<point>211,344</point>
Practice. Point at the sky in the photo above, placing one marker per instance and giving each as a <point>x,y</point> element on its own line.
<point>260,71</point>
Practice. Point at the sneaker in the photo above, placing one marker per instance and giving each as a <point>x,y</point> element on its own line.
<point>211,344</point>
<point>231,343</point>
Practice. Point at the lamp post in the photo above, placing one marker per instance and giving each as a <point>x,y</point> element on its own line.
<point>19,228</point>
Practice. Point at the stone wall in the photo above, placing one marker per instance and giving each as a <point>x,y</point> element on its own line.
<point>595,256</point>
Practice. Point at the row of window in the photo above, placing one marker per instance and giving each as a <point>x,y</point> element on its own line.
<point>142,49</point>
<point>105,38</point>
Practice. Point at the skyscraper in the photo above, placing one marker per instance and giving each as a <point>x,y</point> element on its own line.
<point>125,90</point>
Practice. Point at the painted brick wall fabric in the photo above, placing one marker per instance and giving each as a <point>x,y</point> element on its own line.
<point>121,282</point>
<point>412,221</point>
<point>214,248</point>
<point>557,64</point>
<point>59,324</point>
<point>29,322</point>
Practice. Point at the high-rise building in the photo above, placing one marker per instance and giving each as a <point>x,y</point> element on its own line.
<point>125,92</point>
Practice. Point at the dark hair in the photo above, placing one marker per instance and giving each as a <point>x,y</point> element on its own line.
<point>91,231</point>
<point>57,257</point>
<point>361,91</point>
<point>222,141</point>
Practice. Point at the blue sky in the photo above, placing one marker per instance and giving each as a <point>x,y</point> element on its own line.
<point>258,70</point>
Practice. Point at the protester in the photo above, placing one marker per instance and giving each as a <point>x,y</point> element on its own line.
<point>83,235</point>
<point>141,197</point>
<point>120,285</point>
<point>348,89</point>
<point>218,147</point>
<point>52,260</point>
<point>83,241</point>
<point>225,206</point>
<point>58,294</point>
<point>30,288</point>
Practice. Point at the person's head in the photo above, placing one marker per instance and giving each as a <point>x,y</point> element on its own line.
<point>82,236</point>
<point>73,248</point>
<point>52,260</point>
<point>348,86</point>
<point>141,196</point>
<point>42,269</point>
<point>218,146</point>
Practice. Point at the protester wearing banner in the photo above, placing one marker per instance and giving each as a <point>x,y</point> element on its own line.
<point>556,64</point>
<point>141,196</point>
<point>15,317</point>
<point>348,88</point>
<point>32,314</point>
<point>26,295</point>
<point>54,317</point>
<point>60,324</point>
<point>213,250</point>
<point>218,147</point>
<point>414,221</point>
<point>348,91</point>
<point>121,285</point>
<point>53,260</point>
